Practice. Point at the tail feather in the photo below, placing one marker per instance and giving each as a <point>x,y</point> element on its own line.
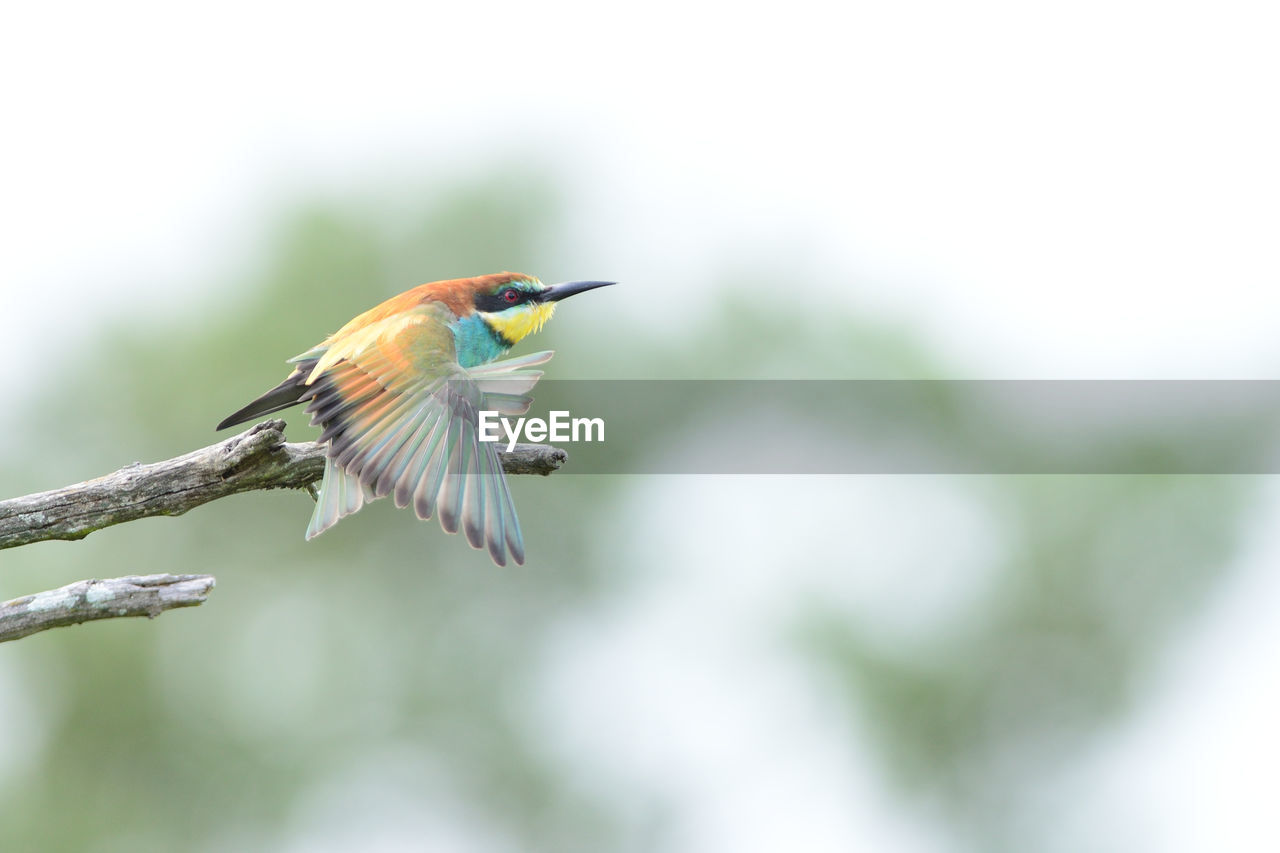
<point>287,393</point>
<point>341,494</point>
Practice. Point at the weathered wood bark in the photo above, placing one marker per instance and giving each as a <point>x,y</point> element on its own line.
<point>258,458</point>
<point>85,601</point>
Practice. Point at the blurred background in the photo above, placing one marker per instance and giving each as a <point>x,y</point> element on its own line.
<point>909,190</point>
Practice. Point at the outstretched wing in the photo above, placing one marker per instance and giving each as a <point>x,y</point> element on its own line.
<point>401,418</point>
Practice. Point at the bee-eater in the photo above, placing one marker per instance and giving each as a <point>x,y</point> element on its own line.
<point>397,391</point>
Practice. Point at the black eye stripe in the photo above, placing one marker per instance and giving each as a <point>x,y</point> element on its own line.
<point>494,302</point>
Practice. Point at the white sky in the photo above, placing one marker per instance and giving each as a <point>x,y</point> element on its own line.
<point>1085,192</point>
<point>1091,190</point>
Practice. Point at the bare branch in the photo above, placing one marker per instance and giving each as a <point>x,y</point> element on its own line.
<point>258,458</point>
<point>85,601</point>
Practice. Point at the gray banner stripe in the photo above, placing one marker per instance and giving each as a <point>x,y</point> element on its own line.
<point>918,427</point>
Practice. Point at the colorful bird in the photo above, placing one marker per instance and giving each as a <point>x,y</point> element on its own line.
<point>397,391</point>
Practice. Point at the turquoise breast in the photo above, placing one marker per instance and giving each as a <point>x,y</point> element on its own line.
<point>476,342</point>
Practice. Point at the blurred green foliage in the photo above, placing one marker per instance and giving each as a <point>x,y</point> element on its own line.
<point>1097,575</point>
<point>386,647</point>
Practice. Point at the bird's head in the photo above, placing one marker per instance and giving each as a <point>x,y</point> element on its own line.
<point>516,307</point>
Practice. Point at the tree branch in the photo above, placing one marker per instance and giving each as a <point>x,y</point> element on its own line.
<point>85,601</point>
<point>258,458</point>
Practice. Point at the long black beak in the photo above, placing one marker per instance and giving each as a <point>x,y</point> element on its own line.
<point>556,292</point>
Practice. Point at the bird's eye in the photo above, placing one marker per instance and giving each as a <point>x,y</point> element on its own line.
<point>511,296</point>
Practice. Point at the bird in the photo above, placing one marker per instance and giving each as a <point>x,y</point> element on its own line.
<point>397,391</point>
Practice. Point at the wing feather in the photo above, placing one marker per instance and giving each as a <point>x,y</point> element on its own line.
<point>427,489</point>
<point>400,417</point>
